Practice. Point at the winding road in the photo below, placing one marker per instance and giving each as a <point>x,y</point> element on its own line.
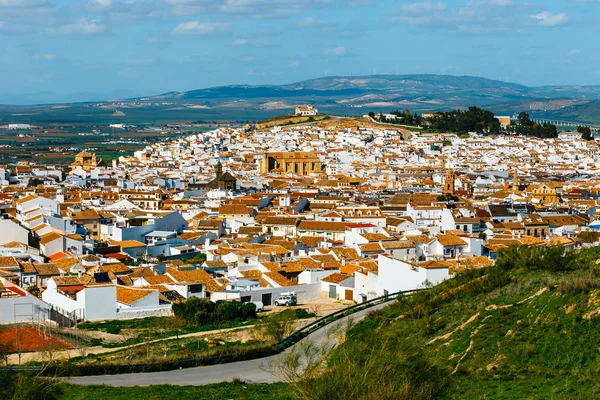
<point>251,371</point>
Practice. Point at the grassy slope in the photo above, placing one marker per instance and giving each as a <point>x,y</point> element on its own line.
<point>521,333</point>
<point>528,338</point>
<point>163,392</point>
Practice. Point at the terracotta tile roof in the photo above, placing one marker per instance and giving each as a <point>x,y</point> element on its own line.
<point>234,209</point>
<point>189,276</point>
<point>335,278</point>
<point>66,263</point>
<point>124,280</point>
<point>349,269</point>
<point>279,279</point>
<point>127,295</point>
<point>328,259</point>
<point>216,264</point>
<point>85,215</point>
<point>141,272</point>
<point>450,240</point>
<point>419,239</point>
<point>158,279</point>
<point>370,247</point>
<point>434,264</point>
<point>247,230</point>
<point>311,241</point>
<point>404,244</point>
<point>323,226</point>
<point>213,286</point>
<point>116,268</point>
<point>28,268</point>
<point>49,237</point>
<point>47,269</point>
<point>375,237</point>
<point>292,266</point>
<point>13,245</point>
<point>127,244</point>
<point>8,261</point>
<point>68,281</point>
<point>370,266</point>
<point>251,273</point>
<point>271,266</point>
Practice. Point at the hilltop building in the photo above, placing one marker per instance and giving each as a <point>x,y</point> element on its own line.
<point>307,110</point>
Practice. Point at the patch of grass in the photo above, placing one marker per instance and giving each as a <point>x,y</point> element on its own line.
<point>233,390</point>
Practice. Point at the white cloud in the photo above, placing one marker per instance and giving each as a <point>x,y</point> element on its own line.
<point>337,51</point>
<point>311,22</point>
<point>201,28</point>
<point>548,19</point>
<point>293,64</point>
<point>83,26</point>
<point>46,57</point>
<point>251,43</point>
<point>22,3</point>
<point>476,17</point>
<point>574,52</point>
<point>100,4</point>
<point>249,8</point>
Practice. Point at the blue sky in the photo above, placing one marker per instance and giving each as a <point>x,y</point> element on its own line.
<point>151,46</point>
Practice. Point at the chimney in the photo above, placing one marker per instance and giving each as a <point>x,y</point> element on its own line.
<point>206,243</point>
<point>343,261</point>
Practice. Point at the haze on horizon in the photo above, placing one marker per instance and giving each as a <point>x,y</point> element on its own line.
<point>73,50</point>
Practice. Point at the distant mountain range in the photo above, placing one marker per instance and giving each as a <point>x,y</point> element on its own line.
<point>415,92</point>
<point>359,95</point>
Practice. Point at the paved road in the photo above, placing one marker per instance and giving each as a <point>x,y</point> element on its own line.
<point>248,371</point>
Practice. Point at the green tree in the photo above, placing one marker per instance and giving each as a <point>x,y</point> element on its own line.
<point>524,120</point>
<point>586,132</point>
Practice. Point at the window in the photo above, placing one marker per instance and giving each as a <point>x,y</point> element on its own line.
<point>195,288</point>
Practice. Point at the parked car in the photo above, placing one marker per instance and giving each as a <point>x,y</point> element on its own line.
<point>259,305</point>
<point>287,299</point>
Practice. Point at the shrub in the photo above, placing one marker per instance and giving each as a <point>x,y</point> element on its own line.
<point>115,330</point>
<point>203,311</point>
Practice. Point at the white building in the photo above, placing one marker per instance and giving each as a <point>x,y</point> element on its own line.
<point>307,110</point>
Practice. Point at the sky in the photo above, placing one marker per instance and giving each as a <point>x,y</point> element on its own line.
<point>77,48</point>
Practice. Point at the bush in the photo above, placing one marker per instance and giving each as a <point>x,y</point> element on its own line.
<point>115,330</point>
<point>203,311</point>
<point>531,258</point>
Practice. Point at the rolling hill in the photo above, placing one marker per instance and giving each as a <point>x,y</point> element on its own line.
<point>333,95</point>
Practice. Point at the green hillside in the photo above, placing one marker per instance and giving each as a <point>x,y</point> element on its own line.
<point>588,112</point>
<point>526,328</point>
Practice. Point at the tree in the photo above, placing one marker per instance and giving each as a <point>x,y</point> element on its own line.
<point>372,114</point>
<point>34,290</point>
<point>586,132</point>
<point>524,120</point>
